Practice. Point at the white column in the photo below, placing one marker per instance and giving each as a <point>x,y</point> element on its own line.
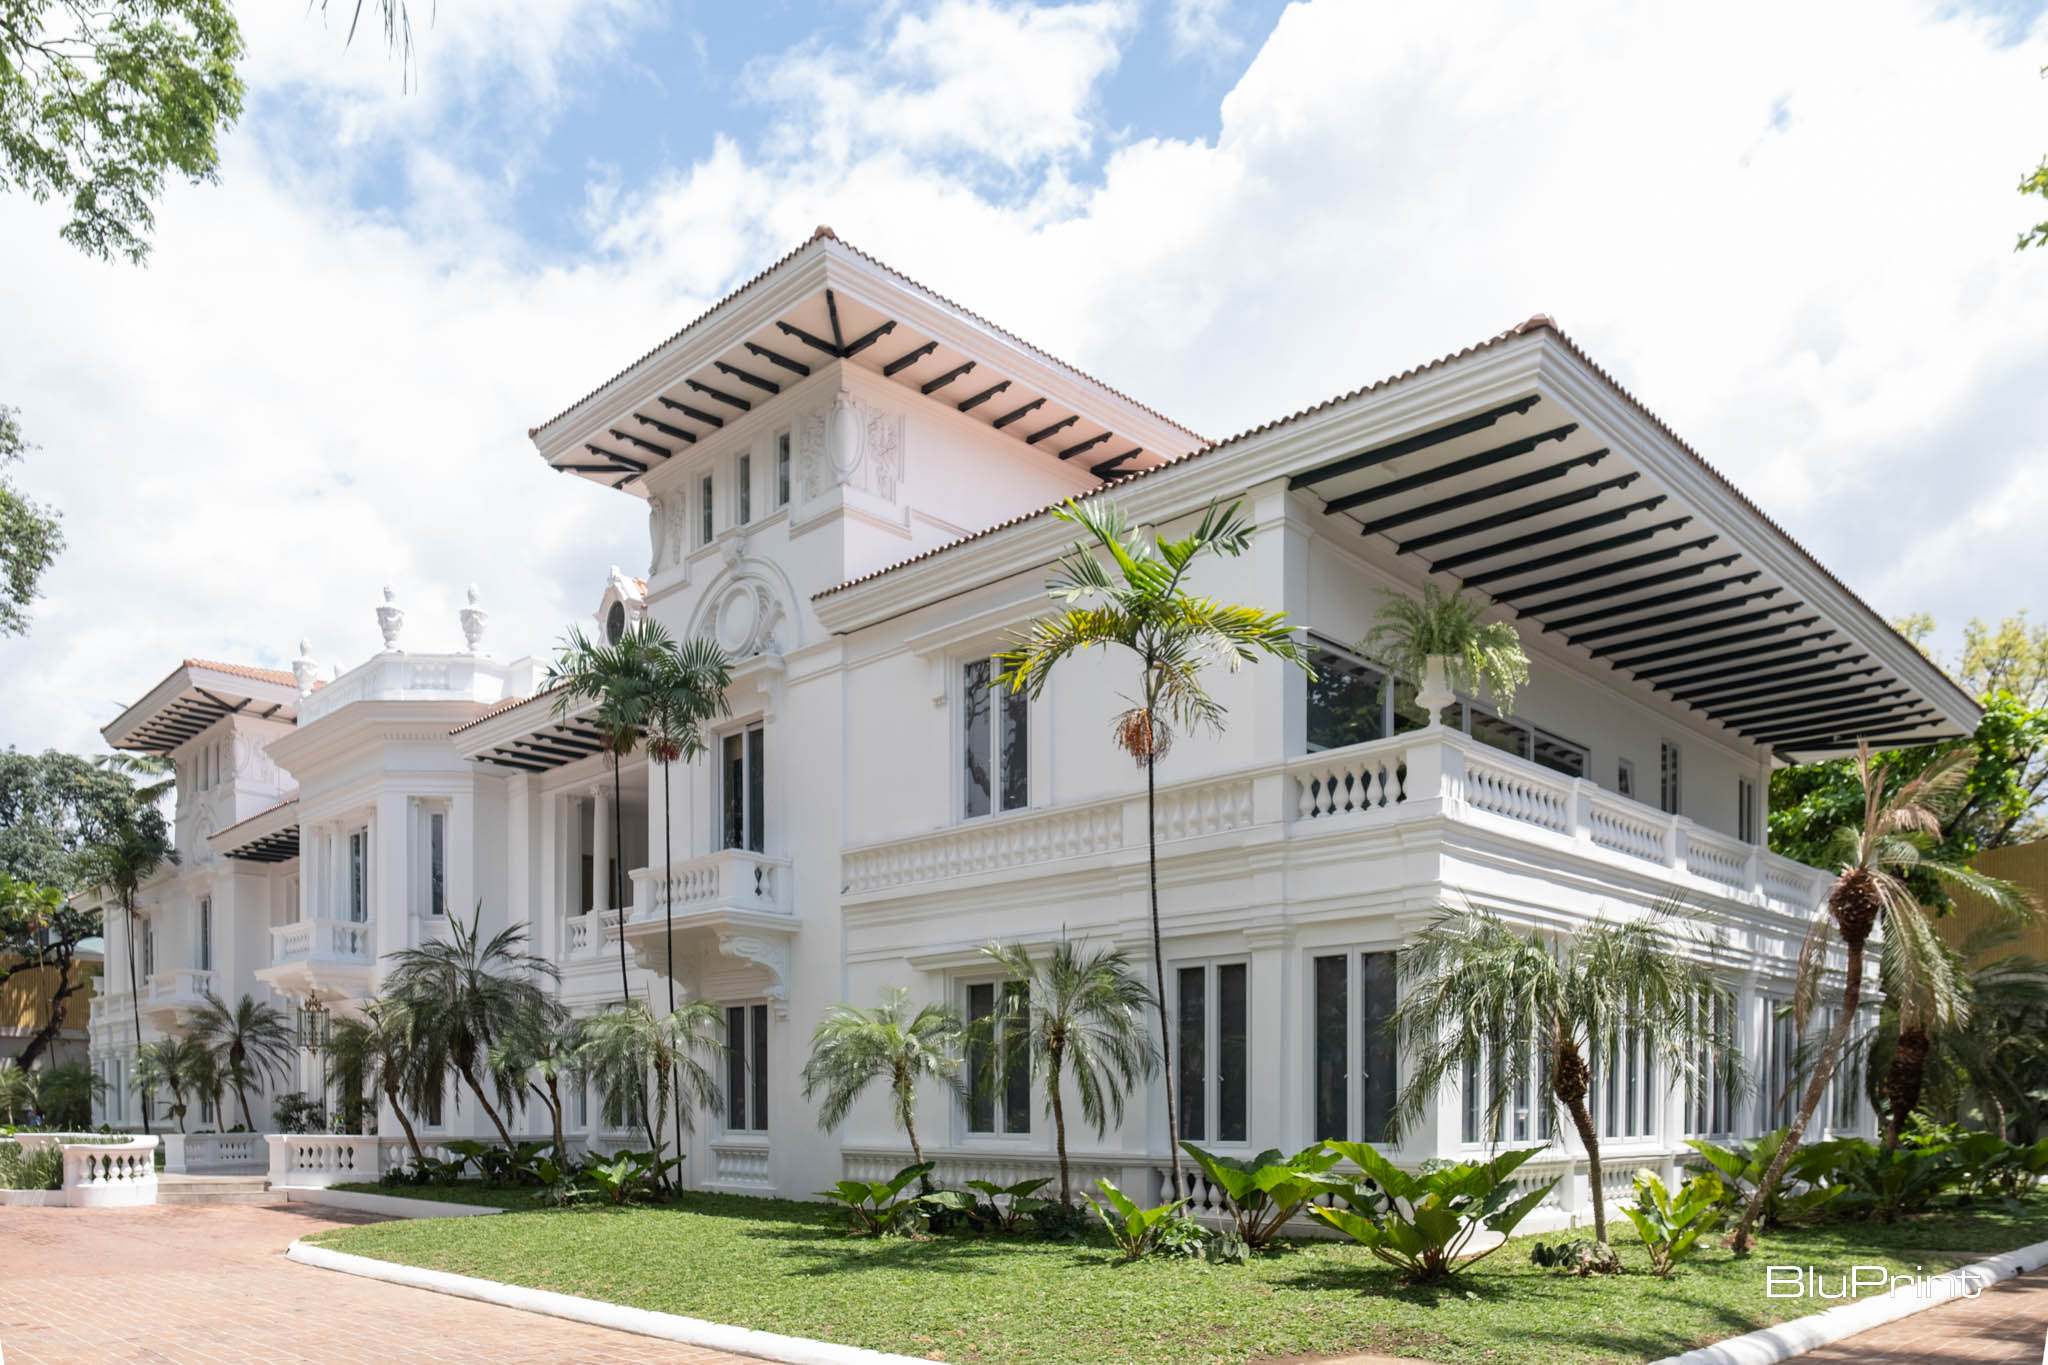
<point>1277,1113</point>
<point>601,849</point>
<point>459,851</point>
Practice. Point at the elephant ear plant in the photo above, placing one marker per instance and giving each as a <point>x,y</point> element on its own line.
<point>1442,643</point>
<point>1421,1223</point>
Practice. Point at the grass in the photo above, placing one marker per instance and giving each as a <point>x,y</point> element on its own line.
<point>789,1267</point>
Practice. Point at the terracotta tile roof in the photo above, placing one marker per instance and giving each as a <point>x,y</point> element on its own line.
<point>509,704</point>
<point>827,234</point>
<point>269,675</point>
<point>267,811</point>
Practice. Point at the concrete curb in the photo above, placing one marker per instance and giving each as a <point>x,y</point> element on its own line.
<point>1769,1345</point>
<point>390,1205</point>
<point>595,1312</point>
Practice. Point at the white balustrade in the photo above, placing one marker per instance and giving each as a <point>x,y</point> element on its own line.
<point>741,1165</point>
<point>1717,858</point>
<point>324,940</point>
<point>185,986</point>
<point>1501,785</point>
<point>732,877</point>
<point>1620,825</point>
<point>952,1169</point>
<point>109,1175</point>
<point>193,1152</point>
<point>322,1159</point>
<point>1190,812</point>
<point>1359,781</point>
<point>1018,839</point>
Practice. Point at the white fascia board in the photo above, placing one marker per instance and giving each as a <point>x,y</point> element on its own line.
<point>515,722</point>
<point>1595,401</point>
<point>186,678</point>
<point>346,732</point>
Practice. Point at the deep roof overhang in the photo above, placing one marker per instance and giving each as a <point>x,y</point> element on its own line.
<point>269,836</point>
<point>196,694</point>
<point>529,736</point>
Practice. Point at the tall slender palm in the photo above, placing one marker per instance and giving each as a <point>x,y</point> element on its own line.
<point>1529,1011</point>
<point>627,1042</point>
<point>542,1049</point>
<point>127,852</point>
<point>616,681</point>
<point>383,1050</point>
<point>465,991</point>
<point>1875,857</point>
<point>1081,1017</point>
<point>1139,601</point>
<point>251,1039</point>
<point>852,1048</point>
<point>204,1075</point>
<point>174,1064</point>
<point>687,691</point>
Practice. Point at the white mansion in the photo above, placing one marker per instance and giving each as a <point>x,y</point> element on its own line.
<point>848,481</point>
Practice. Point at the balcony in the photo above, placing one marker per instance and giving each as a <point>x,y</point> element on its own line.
<point>1478,815</point>
<point>325,959</point>
<point>733,900</point>
<point>170,999</point>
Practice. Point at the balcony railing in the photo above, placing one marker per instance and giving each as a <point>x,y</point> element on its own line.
<point>186,986</point>
<point>324,940</point>
<point>731,878</point>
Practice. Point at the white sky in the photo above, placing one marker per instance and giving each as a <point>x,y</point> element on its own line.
<point>1788,229</point>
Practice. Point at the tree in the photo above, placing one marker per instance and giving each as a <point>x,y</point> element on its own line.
<point>64,1095</point>
<point>126,851</point>
<point>1992,1066</point>
<point>628,1042</point>
<point>251,1040</point>
<point>465,992</point>
<point>1080,1017</point>
<point>617,681</point>
<point>177,1065</point>
<point>1139,602</point>
<point>1878,856</point>
<point>39,931</point>
<point>543,1048</point>
<point>852,1048</point>
<point>52,805</point>
<point>384,1050</point>
<point>29,533</point>
<point>687,690</point>
<point>1527,1012</point>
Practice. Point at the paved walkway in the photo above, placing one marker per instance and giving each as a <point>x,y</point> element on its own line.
<point>210,1284</point>
<point>2006,1325</point>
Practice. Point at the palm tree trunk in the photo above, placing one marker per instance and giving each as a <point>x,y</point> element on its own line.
<point>411,1138</point>
<point>611,877</point>
<point>904,1085</point>
<point>1743,1238</point>
<point>668,920</point>
<point>1059,1131</point>
<point>554,1099</point>
<point>135,1002</point>
<point>1902,1082</point>
<point>469,1075</point>
<point>242,1094</point>
<point>1568,1081</point>
<point>1158,971</point>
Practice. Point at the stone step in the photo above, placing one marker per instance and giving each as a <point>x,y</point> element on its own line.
<point>213,1189</point>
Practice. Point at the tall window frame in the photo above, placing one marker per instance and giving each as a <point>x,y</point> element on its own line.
<point>707,510</point>
<point>1210,1006</point>
<point>206,933</point>
<point>1670,776</point>
<point>1746,810</point>
<point>782,469</point>
<point>993,742</point>
<point>743,788</point>
<point>743,488</point>
<point>746,1068</point>
<point>1353,1059</point>
<point>989,1113</point>
<point>356,872</point>
<point>1352,700</point>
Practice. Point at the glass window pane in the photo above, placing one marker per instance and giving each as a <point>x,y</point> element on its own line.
<point>981,1108</point>
<point>1190,1036</point>
<point>704,509</point>
<point>1377,1078</point>
<point>1016,749</point>
<point>782,470</point>
<point>735,792</point>
<point>1408,714</point>
<point>1017,1088</point>
<point>1333,1100</point>
<point>758,1058</point>
<point>1561,755</point>
<point>1346,702</point>
<point>977,782</point>
<point>1232,1076</point>
<point>757,791</point>
<point>1506,735</point>
<point>736,1067</point>
<point>437,864</point>
<point>746,483</point>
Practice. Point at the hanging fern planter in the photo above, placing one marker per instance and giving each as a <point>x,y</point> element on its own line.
<point>1441,641</point>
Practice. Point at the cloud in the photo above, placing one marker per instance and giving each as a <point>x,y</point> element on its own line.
<point>1201,29</point>
<point>1796,251</point>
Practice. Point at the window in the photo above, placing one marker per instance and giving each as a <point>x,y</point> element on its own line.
<point>746,803</point>
<point>432,1116</point>
<point>1491,1109</point>
<point>1745,810</point>
<point>704,510</point>
<point>995,742</point>
<point>998,1103</point>
<point>1776,1070</point>
<point>1525,741</point>
<point>782,470</point>
<point>1845,1110</point>
<point>579,1105</point>
<point>358,875</point>
<point>1625,1085</point>
<point>1350,701</point>
<point>206,933</point>
<point>1667,767</point>
<point>615,622</point>
<point>743,496</point>
<point>437,863</point>
<point>148,948</point>
<point>291,900</point>
<point>1210,1061</point>
<point>1354,1042</point>
<point>746,1068</point>
<point>1710,1098</point>
<point>1625,777</point>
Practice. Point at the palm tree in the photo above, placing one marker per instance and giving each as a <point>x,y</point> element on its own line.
<point>1527,1010</point>
<point>251,1039</point>
<point>542,1049</point>
<point>852,1048</point>
<point>1875,858</point>
<point>628,1041</point>
<point>127,852</point>
<point>1139,602</point>
<point>617,680</point>
<point>1080,1017</point>
<point>19,1089</point>
<point>203,1075</point>
<point>465,992</point>
<point>64,1095</point>
<point>687,690</point>
<point>384,1050</point>
<point>172,1064</point>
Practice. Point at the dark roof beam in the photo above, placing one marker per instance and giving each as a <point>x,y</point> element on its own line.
<point>795,367</point>
<point>982,397</point>
<point>1662,599</point>
<point>1055,429</point>
<point>1016,413</point>
<point>815,343</point>
<point>1082,446</point>
<point>1108,468</point>
<point>650,447</point>
<point>931,386</point>
<point>676,433</point>
<point>1686,671</point>
<point>1574,553</point>
<point>1555,502</point>
<point>721,395</point>
<point>620,461</point>
<point>686,410</point>
<point>1485,459</point>
<point>1408,445</point>
<point>1544,537</point>
<point>1607,593</point>
<point>1692,641</point>
<point>1493,490</point>
<point>767,386</point>
<point>1771,684</point>
<point>1671,617</point>
<point>907,359</point>
<point>861,343</point>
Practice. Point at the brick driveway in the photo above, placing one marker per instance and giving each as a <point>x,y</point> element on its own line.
<point>2006,1325</point>
<point>210,1284</point>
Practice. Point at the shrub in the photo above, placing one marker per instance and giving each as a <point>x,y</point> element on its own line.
<point>1057,1222</point>
<point>1994,1167</point>
<point>1140,1232</point>
<point>989,1207</point>
<point>629,1175</point>
<point>299,1113</point>
<point>1742,1166</point>
<point>1263,1192</point>
<point>1421,1223</point>
<point>1671,1225</point>
<point>1868,1182</point>
<point>502,1166</point>
<point>41,1169</point>
<point>874,1207</point>
<point>1581,1256</point>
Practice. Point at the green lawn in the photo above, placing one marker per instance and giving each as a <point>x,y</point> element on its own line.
<point>788,1267</point>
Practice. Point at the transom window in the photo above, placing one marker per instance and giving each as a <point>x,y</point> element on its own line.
<point>1625,1085</point>
<point>998,1098</point>
<point>743,756</point>
<point>995,742</point>
<point>1354,1052</point>
<point>746,1068</point>
<point>1211,1064</point>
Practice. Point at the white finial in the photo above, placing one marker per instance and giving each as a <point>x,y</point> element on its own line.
<point>390,618</point>
<point>305,668</point>
<point>474,618</point>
